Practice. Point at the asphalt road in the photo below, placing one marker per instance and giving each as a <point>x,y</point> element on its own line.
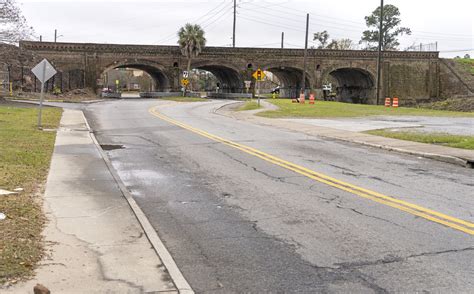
<point>236,222</point>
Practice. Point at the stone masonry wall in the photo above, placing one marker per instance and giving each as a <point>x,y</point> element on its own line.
<point>413,76</point>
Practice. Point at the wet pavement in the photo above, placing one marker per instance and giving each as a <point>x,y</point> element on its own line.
<point>235,223</point>
<point>450,125</point>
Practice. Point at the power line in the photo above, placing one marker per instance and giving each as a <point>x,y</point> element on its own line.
<point>272,24</point>
<point>456,50</point>
<point>217,19</point>
<point>336,24</point>
<point>205,18</point>
<point>302,22</point>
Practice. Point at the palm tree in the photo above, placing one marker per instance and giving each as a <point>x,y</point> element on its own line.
<point>191,41</point>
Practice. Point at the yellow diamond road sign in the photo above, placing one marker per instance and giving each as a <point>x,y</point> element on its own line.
<point>259,75</point>
<point>184,82</point>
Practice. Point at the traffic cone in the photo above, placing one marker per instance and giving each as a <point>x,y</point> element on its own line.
<point>395,102</point>
<point>311,99</point>
<point>388,102</point>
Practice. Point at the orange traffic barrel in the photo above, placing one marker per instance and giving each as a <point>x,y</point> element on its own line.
<point>388,102</point>
<point>311,99</point>
<point>395,102</point>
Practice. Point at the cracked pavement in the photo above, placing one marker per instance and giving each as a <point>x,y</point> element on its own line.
<point>237,224</point>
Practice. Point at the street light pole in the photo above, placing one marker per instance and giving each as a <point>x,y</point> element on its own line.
<point>282,40</point>
<point>55,35</point>
<point>303,83</point>
<point>235,20</point>
<point>379,59</point>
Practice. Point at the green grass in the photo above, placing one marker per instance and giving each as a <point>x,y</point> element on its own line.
<point>25,155</point>
<point>327,109</point>
<point>249,105</point>
<point>184,99</point>
<point>464,142</point>
<point>467,63</point>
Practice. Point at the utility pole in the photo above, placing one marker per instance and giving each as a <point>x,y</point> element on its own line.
<point>55,35</point>
<point>282,40</point>
<point>41,38</point>
<point>235,20</point>
<point>379,59</point>
<point>303,83</point>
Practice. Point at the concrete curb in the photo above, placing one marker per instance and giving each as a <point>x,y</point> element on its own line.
<point>178,279</point>
<point>439,157</point>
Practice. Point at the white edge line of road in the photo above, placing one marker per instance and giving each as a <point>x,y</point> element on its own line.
<point>178,279</point>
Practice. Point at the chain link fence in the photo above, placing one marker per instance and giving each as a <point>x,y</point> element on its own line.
<point>423,47</point>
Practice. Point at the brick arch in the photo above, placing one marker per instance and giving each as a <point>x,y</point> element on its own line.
<point>162,81</point>
<point>229,75</point>
<point>290,77</point>
<point>352,84</point>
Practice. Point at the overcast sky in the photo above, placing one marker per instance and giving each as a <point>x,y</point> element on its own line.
<point>259,22</point>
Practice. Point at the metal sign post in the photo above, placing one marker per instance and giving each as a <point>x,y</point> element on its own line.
<point>43,71</point>
<point>259,75</point>
<point>247,85</point>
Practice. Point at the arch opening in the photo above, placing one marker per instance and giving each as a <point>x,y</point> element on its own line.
<point>136,77</point>
<point>289,80</point>
<point>228,79</point>
<point>201,80</point>
<point>353,85</point>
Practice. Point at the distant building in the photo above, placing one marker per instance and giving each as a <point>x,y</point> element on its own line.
<point>128,80</point>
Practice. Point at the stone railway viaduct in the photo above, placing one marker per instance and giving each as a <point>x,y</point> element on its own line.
<point>412,76</point>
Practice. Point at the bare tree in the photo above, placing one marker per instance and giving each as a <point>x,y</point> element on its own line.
<point>322,38</point>
<point>341,44</point>
<point>13,25</point>
<point>334,44</point>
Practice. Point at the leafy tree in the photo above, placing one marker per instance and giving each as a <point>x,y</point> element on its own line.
<point>467,56</point>
<point>322,38</point>
<point>191,41</point>
<point>341,44</point>
<point>13,25</point>
<point>390,29</point>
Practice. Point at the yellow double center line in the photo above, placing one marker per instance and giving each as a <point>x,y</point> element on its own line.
<point>449,221</point>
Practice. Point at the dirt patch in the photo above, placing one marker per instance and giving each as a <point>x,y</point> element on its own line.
<point>8,103</point>
<point>77,95</point>
<point>455,104</point>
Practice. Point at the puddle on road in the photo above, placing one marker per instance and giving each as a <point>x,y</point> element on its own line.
<point>109,147</point>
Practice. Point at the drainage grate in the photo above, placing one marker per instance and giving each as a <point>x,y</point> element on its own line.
<point>108,147</point>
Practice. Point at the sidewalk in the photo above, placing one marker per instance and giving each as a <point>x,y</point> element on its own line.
<point>457,156</point>
<point>94,241</point>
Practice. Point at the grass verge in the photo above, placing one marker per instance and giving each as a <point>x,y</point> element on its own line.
<point>249,105</point>
<point>467,63</point>
<point>456,141</point>
<point>25,155</point>
<point>325,109</point>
